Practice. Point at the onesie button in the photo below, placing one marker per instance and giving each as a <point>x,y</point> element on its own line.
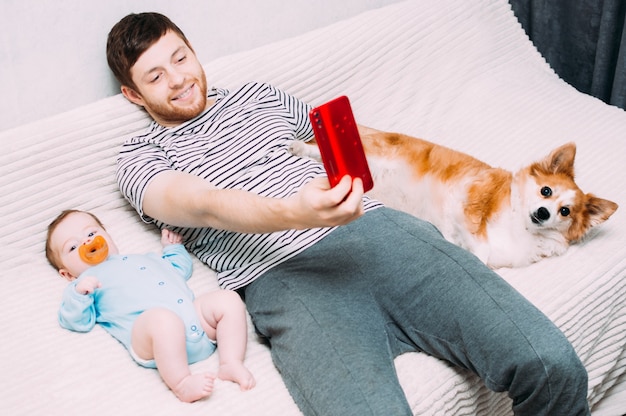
<point>194,328</point>
<point>180,301</point>
<point>161,283</point>
<point>125,258</point>
<point>142,268</point>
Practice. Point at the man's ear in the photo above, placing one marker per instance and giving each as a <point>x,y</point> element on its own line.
<point>66,275</point>
<point>132,95</point>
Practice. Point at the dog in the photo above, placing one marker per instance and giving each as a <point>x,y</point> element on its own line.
<point>506,219</point>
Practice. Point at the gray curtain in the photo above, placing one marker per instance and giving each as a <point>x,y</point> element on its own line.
<point>582,40</point>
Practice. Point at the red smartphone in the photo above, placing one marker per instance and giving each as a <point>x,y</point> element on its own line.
<point>339,142</point>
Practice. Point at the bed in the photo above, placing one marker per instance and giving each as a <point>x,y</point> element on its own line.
<point>461,73</point>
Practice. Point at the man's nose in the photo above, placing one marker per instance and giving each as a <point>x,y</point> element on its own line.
<point>176,78</point>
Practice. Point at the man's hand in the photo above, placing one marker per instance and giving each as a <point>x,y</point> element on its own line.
<point>319,205</point>
<point>88,285</point>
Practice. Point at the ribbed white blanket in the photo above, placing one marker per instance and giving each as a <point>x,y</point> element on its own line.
<point>458,72</point>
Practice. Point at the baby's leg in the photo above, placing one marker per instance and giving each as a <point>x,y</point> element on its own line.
<point>223,317</point>
<point>159,334</point>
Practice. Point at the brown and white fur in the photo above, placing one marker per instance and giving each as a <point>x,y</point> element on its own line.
<point>506,219</point>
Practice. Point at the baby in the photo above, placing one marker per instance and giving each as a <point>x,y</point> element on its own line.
<point>144,302</point>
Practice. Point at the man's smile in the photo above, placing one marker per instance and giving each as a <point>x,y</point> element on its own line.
<point>185,94</point>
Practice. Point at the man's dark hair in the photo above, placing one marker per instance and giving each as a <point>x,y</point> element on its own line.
<point>131,37</point>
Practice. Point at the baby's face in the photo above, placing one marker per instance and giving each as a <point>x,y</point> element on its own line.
<point>75,230</point>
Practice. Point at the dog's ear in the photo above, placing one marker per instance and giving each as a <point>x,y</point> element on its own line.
<point>561,160</point>
<point>596,211</point>
<point>599,209</point>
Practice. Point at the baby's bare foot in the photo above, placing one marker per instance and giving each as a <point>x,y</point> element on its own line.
<point>194,387</point>
<point>237,373</point>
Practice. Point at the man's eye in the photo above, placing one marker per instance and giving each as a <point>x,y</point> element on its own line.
<point>155,79</point>
<point>182,58</point>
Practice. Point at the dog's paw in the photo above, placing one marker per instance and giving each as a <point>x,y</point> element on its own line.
<point>300,148</point>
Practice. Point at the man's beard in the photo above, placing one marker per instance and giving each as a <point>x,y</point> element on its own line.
<point>168,114</point>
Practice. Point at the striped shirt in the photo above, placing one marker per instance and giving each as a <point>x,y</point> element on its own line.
<point>240,142</point>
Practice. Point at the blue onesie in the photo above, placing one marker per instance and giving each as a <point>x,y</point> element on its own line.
<point>132,284</point>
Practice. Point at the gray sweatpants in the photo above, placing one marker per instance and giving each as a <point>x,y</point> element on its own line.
<point>338,313</point>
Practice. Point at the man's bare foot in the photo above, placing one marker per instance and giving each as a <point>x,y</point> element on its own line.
<point>237,373</point>
<point>194,387</point>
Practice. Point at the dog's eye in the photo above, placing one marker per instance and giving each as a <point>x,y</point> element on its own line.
<point>564,211</point>
<point>546,191</point>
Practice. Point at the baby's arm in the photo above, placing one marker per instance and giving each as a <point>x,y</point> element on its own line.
<point>175,253</point>
<point>77,311</point>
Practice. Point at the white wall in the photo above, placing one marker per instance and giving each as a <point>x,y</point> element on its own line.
<point>52,52</point>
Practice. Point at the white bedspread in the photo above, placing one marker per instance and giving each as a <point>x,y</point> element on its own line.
<point>457,72</point>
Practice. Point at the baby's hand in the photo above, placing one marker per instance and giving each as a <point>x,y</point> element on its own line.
<point>170,237</point>
<point>88,285</point>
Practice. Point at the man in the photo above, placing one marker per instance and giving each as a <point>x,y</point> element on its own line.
<point>338,284</point>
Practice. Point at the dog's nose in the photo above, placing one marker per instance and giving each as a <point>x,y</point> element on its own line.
<point>543,214</point>
<point>540,215</point>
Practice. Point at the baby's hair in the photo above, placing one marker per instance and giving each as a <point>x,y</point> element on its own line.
<point>52,257</point>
